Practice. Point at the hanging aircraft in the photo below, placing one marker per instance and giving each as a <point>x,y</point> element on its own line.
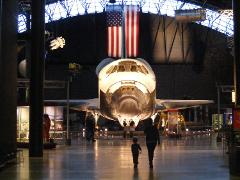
<point>127,92</point>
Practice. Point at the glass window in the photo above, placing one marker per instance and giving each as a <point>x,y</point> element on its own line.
<point>22,23</point>
<point>114,69</point>
<point>140,69</point>
<point>144,70</point>
<point>133,68</point>
<point>121,68</point>
<point>109,71</point>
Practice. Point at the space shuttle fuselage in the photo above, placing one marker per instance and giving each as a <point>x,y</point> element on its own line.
<point>127,89</point>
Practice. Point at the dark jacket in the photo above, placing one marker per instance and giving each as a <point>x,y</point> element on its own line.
<point>152,134</point>
<point>136,148</point>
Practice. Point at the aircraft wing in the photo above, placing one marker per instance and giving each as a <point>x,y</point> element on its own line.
<point>89,105</point>
<point>167,104</point>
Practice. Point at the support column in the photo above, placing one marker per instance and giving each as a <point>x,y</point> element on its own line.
<point>234,149</point>
<point>201,114</point>
<point>36,79</point>
<point>236,18</point>
<point>206,115</point>
<point>189,115</point>
<point>8,78</point>
<point>218,104</point>
<point>195,115</point>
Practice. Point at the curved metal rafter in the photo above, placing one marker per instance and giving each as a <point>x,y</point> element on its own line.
<point>215,19</point>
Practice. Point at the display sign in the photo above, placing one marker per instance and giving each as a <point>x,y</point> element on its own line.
<point>217,121</point>
<point>236,119</point>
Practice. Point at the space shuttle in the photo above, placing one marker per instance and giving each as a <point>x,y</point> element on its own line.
<point>127,91</point>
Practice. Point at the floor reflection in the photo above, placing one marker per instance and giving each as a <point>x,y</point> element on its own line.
<point>135,173</point>
<point>187,158</point>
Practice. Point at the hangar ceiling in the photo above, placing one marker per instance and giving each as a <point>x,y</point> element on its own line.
<point>86,35</point>
<point>56,10</point>
<point>217,3</point>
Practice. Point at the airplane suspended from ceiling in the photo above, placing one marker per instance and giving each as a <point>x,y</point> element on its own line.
<point>127,86</point>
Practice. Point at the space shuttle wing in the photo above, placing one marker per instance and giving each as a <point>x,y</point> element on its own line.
<point>167,104</point>
<point>89,105</point>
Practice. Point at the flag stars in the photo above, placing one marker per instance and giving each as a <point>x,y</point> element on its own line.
<point>114,18</point>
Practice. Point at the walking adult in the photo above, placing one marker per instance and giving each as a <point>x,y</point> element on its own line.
<point>124,129</point>
<point>131,128</point>
<point>46,127</point>
<point>90,128</point>
<point>152,139</point>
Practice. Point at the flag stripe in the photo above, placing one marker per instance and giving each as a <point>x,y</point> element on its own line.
<point>126,30</point>
<point>114,41</point>
<point>132,31</point>
<point>120,42</point>
<point>137,33</point>
<point>117,40</point>
<point>109,41</point>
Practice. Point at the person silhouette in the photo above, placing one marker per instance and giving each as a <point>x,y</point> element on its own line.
<point>131,128</point>
<point>90,128</point>
<point>124,129</point>
<point>152,138</point>
<point>46,127</point>
<point>136,149</point>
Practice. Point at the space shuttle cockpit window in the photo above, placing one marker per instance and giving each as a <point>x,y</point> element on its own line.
<point>139,69</point>
<point>109,71</point>
<point>121,68</point>
<point>144,69</point>
<point>112,69</point>
<point>127,67</point>
<point>133,68</point>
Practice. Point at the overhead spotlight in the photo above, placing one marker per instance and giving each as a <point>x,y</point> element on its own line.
<point>112,1</point>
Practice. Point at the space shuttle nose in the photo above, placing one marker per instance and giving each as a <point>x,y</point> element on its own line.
<point>129,107</point>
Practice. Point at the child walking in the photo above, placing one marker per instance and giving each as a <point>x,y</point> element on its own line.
<point>136,149</point>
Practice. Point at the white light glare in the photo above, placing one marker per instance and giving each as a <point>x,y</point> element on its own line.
<point>59,42</point>
<point>226,12</point>
<point>233,96</point>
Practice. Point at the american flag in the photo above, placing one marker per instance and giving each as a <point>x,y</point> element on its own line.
<point>114,23</point>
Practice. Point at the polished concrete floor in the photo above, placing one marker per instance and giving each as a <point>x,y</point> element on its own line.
<point>191,158</point>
